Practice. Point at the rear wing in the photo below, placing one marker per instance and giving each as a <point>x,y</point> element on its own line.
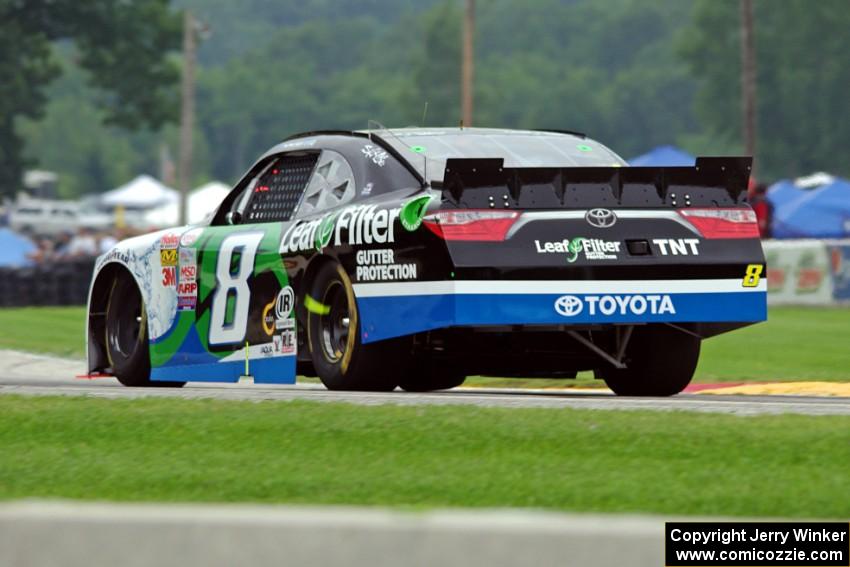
<point>486,183</point>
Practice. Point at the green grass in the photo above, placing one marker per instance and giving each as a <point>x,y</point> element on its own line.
<point>796,343</point>
<point>421,457</point>
<point>50,330</point>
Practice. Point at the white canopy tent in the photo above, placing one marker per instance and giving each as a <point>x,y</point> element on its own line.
<point>202,202</point>
<point>143,192</point>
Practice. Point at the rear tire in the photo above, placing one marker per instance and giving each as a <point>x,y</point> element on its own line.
<point>341,360</point>
<point>661,362</point>
<point>126,336</point>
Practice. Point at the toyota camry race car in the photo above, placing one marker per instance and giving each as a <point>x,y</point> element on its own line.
<point>417,257</point>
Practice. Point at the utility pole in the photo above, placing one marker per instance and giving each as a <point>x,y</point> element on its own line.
<point>748,79</point>
<point>187,113</point>
<point>468,62</point>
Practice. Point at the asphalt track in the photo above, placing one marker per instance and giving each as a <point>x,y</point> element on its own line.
<point>27,374</point>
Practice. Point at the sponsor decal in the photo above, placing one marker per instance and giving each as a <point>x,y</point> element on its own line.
<point>811,273</point>
<point>360,224</point>
<point>637,304</point>
<point>268,318</point>
<point>592,248</point>
<point>283,305</point>
<point>114,254</point>
<point>367,190</point>
<point>187,282</point>
<point>377,155</point>
<point>288,343</point>
<point>840,262</point>
<point>413,211</point>
<point>380,265</point>
<point>600,218</point>
<point>168,257</point>
<point>169,276</point>
<point>169,241</point>
<point>568,305</point>
<point>325,232</point>
<point>677,246</point>
<point>267,350</point>
<point>189,238</point>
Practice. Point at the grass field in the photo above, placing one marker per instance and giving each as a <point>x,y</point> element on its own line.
<point>795,344</point>
<point>429,456</point>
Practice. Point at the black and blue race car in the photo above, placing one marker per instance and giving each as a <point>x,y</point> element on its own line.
<point>416,257</point>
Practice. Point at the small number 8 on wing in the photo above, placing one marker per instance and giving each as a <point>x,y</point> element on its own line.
<point>753,275</point>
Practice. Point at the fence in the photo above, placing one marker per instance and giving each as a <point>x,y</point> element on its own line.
<point>807,272</point>
<point>55,283</point>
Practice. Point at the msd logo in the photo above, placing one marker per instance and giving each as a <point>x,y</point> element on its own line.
<point>637,304</point>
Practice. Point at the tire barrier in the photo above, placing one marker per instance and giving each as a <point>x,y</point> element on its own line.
<point>55,283</point>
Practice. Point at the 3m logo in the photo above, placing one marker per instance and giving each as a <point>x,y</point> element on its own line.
<point>169,276</point>
<point>168,257</point>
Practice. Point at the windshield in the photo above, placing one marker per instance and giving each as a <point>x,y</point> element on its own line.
<point>429,150</point>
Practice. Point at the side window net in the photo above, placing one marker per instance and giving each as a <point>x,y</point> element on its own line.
<point>276,193</point>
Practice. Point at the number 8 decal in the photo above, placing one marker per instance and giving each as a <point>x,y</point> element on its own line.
<point>236,282</point>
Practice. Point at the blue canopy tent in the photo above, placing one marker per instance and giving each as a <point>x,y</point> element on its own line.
<point>663,156</point>
<point>14,249</point>
<point>818,212</point>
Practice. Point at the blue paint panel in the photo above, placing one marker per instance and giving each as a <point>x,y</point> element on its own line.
<point>191,352</point>
<point>387,317</point>
<point>274,370</point>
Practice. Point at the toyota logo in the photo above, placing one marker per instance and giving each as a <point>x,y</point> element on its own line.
<point>600,218</point>
<point>568,305</point>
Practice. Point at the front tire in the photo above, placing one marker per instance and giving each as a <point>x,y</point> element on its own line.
<point>661,361</point>
<point>126,335</point>
<point>341,360</point>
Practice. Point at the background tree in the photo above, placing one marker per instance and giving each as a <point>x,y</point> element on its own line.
<point>123,46</point>
<point>802,82</point>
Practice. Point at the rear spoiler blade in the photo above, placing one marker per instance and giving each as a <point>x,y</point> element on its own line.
<point>486,183</point>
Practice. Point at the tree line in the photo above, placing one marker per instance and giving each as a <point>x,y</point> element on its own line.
<point>94,95</point>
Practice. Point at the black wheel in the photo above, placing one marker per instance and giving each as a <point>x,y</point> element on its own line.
<point>127,335</point>
<point>428,375</point>
<point>333,331</point>
<point>661,362</point>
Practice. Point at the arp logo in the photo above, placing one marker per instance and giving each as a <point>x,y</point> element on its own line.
<point>569,305</point>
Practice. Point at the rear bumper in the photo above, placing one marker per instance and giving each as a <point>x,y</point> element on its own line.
<point>390,310</point>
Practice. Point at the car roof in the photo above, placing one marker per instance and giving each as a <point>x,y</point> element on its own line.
<point>458,131</point>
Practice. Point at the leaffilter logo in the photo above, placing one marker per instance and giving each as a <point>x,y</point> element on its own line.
<point>326,230</point>
<point>568,305</point>
<point>413,211</point>
<point>574,248</point>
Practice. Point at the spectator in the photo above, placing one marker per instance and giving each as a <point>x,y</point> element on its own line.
<point>762,208</point>
<point>82,244</point>
<point>105,242</point>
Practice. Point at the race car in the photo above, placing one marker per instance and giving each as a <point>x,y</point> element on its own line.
<point>416,257</point>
